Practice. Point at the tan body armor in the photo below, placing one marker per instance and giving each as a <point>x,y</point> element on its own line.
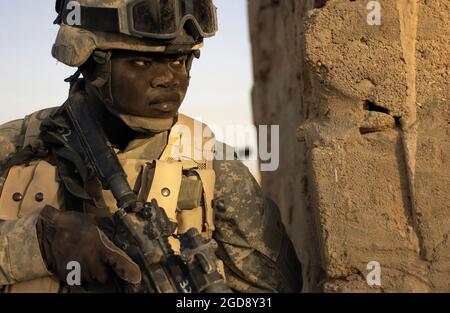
<point>183,184</point>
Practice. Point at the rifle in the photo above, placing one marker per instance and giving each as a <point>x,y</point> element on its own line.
<point>144,228</point>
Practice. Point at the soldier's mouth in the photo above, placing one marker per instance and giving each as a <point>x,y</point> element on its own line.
<point>165,107</point>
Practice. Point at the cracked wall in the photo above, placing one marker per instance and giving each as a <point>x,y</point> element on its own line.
<point>365,148</point>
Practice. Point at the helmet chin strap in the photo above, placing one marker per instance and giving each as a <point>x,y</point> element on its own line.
<point>103,91</point>
<point>102,82</point>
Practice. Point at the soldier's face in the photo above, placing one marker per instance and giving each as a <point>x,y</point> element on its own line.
<point>148,85</point>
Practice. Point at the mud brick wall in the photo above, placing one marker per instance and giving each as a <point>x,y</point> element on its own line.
<point>364,137</point>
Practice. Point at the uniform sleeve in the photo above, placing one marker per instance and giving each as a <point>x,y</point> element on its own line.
<point>253,243</point>
<point>10,138</point>
<point>20,255</point>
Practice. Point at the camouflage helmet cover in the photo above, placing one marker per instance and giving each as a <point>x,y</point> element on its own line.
<point>74,45</point>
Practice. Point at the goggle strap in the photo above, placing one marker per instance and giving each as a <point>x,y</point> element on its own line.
<point>95,19</point>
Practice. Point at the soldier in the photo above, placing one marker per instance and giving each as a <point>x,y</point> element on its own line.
<point>135,58</point>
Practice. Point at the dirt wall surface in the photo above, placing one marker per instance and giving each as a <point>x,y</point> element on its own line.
<point>364,119</point>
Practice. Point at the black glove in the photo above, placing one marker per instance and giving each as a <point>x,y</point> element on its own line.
<point>73,236</point>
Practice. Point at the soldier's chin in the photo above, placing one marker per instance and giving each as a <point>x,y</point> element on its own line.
<point>165,115</point>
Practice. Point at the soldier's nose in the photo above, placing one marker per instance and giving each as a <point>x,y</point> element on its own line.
<point>165,79</point>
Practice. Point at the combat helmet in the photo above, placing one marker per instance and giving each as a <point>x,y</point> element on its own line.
<point>94,29</point>
<point>164,26</point>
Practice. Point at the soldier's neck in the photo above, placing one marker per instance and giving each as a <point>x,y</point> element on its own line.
<point>118,133</point>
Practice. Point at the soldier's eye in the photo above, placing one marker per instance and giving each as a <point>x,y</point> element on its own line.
<point>177,64</point>
<point>141,63</point>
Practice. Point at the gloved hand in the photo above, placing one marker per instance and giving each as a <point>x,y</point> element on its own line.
<point>73,236</point>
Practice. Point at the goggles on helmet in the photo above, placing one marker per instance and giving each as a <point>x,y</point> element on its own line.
<point>156,19</point>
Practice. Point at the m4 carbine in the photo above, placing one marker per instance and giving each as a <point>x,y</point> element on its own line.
<point>145,227</point>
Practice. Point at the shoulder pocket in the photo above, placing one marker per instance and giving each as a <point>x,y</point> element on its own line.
<point>28,188</point>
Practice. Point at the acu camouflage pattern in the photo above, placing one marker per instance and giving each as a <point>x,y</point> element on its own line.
<point>19,247</point>
<point>258,255</point>
<point>11,137</point>
<point>253,244</point>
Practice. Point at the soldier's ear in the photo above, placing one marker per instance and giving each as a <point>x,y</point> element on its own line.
<point>194,55</point>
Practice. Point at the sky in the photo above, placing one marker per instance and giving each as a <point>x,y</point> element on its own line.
<point>31,79</point>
